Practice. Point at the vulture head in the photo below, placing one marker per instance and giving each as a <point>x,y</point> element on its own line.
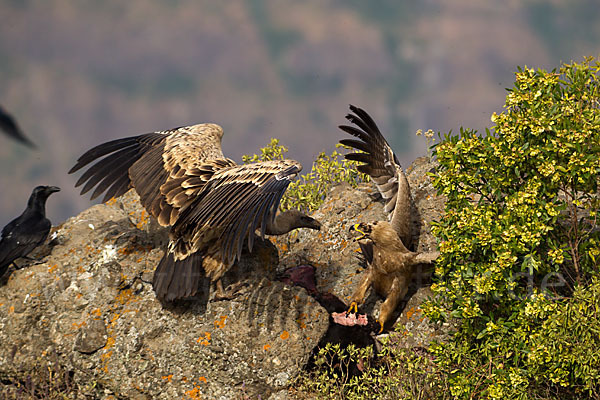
<point>287,221</point>
<point>363,228</point>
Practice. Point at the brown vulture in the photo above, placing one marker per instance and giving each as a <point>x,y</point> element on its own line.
<point>211,204</point>
<point>384,244</point>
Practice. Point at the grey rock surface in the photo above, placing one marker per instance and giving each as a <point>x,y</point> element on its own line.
<point>90,304</point>
<point>89,307</point>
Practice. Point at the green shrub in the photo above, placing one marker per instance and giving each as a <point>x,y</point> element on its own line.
<point>520,244</point>
<point>397,373</point>
<point>308,192</point>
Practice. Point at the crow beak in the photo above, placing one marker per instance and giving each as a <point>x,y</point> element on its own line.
<point>53,189</point>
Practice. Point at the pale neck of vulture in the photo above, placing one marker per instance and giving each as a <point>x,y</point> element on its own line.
<point>289,220</point>
<point>384,235</point>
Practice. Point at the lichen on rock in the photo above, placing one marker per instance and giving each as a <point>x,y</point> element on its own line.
<point>90,304</point>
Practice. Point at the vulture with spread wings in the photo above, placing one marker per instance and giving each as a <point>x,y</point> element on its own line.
<point>384,244</point>
<point>211,204</point>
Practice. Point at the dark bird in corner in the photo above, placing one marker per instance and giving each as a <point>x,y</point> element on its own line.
<point>211,204</point>
<point>9,126</point>
<point>384,244</point>
<point>27,231</point>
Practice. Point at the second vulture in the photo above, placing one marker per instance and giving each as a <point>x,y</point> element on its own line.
<point>384,244</point>
<point>211,204</point>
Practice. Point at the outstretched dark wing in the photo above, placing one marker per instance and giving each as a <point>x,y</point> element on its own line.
<point>382,165</point>
<point>9,126</point>
<point>167,168</point>
<point>235,202</point>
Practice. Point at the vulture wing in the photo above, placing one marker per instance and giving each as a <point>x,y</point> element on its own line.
<point>382,165</point>
<point>166,168</point>
<point>235,202</point>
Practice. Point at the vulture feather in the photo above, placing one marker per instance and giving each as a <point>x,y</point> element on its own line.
<point>384,244</point>
<point>211,204</point>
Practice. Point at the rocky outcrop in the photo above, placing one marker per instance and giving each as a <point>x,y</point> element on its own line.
<point>89,307</point>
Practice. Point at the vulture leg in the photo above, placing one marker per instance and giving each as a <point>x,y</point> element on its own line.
<point>397,292</point>
<point>359,294</point>
<point>226,294</point>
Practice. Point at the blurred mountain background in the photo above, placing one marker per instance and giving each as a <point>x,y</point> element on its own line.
<point>78,73</point>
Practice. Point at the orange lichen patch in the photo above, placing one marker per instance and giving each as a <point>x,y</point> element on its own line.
<point>104,357</point>
<point>204,340</point>
<point>220,323</point>
<point>184,379</point>
<point>110,342</point>
<point>284,247</point>
<point>167,377</point>
<point>52,268</point>
<point>125,296</point>
<point>412,311</point>
<point>300,320</point>
<point>284,335</point>
<point>96,312</point>
<point>75,325</point>
<point>194,393</point>
<point>111,201</point>
<point>266,347</point>
<point>114,318</point>
<point>143,220</point>
<point>202,379</point>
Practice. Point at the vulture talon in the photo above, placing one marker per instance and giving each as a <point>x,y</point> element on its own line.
<point>353,305</point>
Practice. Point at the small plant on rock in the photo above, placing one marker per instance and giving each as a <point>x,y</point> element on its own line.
<point>308,192</point>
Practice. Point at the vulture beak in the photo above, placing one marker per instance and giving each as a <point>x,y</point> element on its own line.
<point>356,227</point>
<point>315,225</point>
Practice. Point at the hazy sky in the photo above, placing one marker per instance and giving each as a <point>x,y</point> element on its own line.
<point>76,74</point>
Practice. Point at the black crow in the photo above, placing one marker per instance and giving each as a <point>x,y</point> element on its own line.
<point>9,126</point>
<point>28,231</point>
